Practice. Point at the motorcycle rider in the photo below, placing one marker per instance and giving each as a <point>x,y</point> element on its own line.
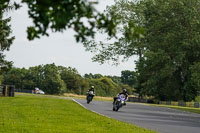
<point>123,92</point>
<point>91,89</point>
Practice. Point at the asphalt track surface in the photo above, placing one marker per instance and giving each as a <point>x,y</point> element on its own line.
<point>163,120</point>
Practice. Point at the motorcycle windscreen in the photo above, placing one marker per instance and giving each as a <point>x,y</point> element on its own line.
<point>122,97</point>
<point>91,92</point>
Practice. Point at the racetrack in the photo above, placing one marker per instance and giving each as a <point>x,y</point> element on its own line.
<point>163,120</point>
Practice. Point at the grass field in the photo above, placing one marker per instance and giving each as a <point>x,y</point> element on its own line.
<point>43,114</point>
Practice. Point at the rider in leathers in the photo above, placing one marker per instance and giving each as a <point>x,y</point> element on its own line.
<point>91,89</point>
<point>123,92</point>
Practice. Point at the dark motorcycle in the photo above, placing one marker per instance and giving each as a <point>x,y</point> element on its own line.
<point>118,102</point>
<point>90,96</point>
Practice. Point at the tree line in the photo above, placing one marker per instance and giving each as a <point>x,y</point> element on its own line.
<point>54,79</point>
<point>163,34</point>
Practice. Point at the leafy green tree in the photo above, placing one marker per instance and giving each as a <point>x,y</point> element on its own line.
<point>167,47</point>
<point>52,82</point>
<point>58,16</point>
<point>15,76</point>
<point>26,79</point>
<point>54,79</point>
<point>5,34</point>
<point>128,77</point>
<point>105,86</point>
<point>93,76</point>
<point>173,37</point>
<point>109,86</point>
<point>115,79</point>
<point>89,76</point>
<point>72,79</point>
<point>5,29</point>
<point>128,40</point>
<point>195,78</point>
<point>37,75</point>
<point>97,76</point>
<point>47,78</point>
<point>1,79</point>
<point>84,85</point>
<point>20,77</point>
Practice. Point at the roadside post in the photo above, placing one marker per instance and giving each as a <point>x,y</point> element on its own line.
<point>8,90</point>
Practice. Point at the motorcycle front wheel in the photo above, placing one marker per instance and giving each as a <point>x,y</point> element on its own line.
<point>89,99</point>
<point>115,106</point>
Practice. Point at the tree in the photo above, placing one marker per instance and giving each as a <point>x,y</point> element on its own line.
<point>52,82</point>
<point>129,38</point>
<point>47,78</point>
<point>4,65</point>
<point>167,49</point>
<point>1,79</point>
<point>89,76</point>
<point>72,79</point>
<point>173,45</point>
<point>93,76</point>
<point>115,79</point>
<point>20,77</point>
<point>128,77</point>
<point>54,79</point>
<point>195,77</point>
<point>105,86</point>
<point>60,15</point>
<point>5,34</point>
<point>37,75</point>
<point>15,76</point>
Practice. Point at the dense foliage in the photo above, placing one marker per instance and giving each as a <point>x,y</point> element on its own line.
<point>58,16</point>
<point>5,34</point>
<point>167,50</point>
<point>54,79</point>
<point>163,34</point>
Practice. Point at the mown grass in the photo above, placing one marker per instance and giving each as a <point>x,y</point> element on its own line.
<point>42,114</point>
<point>187,109</point>
<point>99,98</point>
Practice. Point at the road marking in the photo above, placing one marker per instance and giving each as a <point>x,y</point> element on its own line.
<point>90,109</point>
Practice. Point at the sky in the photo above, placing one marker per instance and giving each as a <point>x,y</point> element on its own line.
<point>59,48</point>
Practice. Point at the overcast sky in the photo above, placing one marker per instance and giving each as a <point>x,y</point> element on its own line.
<point>58,48</point>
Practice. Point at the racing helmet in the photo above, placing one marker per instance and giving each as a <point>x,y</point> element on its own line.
<point>92,87</point>
<point>124,91</point>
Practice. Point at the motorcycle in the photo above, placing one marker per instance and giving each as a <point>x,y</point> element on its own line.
<point>90,96</point>
<point>118,102</point>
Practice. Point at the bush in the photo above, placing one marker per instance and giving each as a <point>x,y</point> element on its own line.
<point>197,99</point>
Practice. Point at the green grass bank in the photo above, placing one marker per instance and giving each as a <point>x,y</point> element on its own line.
<point>187,109</point>
<point>42,114</point>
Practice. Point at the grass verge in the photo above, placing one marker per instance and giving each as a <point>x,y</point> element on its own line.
<point>99,98</point>
<point>41,114</point>
<point>187,109</point>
